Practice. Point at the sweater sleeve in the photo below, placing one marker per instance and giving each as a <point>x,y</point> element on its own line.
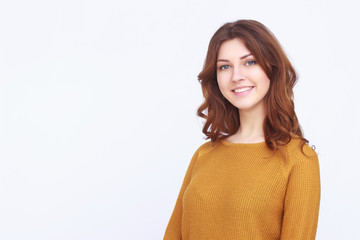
<point>173,230</point>
<point>302,200</point>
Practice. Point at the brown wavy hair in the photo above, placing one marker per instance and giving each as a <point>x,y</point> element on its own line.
<point>222,118</point>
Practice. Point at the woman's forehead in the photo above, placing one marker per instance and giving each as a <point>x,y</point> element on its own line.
<point>233,48</point>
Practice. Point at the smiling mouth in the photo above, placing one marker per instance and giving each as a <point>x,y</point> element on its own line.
<point>240,90</point>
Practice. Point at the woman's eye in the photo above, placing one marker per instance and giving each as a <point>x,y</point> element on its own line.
<point>223,67</point>
<point>252,62</point>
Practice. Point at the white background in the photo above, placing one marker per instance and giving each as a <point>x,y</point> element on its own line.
<point>98,102</point>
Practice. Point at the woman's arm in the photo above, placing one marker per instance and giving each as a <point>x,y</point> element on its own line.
<point>173,230</point>
<point>302,200</point>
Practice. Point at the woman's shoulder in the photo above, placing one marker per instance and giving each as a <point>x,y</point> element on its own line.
<point>301,159</point>
<point>205,147</point>
<point>299,151</point>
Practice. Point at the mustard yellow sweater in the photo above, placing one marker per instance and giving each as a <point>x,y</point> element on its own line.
<point>231,191</point>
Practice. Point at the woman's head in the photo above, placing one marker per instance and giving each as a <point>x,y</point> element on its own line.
<point>241,80</point>
<point>222,117</point>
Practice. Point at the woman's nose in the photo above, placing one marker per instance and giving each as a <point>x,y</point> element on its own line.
<point>238,74</point>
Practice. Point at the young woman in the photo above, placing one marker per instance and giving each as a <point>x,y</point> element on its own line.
<point>257,178</point>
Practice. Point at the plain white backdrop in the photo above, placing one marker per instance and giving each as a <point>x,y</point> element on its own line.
<point>98,107</point>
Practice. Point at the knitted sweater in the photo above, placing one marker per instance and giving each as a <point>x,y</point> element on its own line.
<point>232,191</point>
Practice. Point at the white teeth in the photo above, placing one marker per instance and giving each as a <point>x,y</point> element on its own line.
<point>242,89</point>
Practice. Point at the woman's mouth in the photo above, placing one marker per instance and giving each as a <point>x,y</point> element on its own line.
<point>243,90</point>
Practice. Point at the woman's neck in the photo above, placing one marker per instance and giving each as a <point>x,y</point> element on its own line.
<point>251,126</point>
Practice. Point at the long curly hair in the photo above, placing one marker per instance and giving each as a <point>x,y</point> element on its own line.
<point>222,118</point>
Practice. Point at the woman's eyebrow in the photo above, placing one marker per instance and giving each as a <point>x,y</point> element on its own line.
<point>224,60</point>
<point>249,54</point>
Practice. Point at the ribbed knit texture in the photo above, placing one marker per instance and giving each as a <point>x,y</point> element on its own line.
<point>232,191</point>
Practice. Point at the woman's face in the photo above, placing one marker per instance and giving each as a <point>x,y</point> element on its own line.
<point>240,78</point>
